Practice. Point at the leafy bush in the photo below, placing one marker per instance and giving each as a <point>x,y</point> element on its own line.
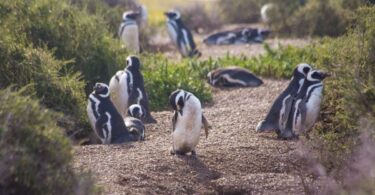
<point>199,19</point>
<point>35,155</point>
<point>313,17</point>
<point>239,11</point>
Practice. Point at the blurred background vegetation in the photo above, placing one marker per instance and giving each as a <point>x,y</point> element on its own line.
<point>53,51</point>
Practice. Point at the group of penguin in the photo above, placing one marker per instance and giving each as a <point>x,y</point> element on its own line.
<point>117,112</point>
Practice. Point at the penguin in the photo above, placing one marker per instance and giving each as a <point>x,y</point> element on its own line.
<point>305,110</point>
<point>278,114</point>
<point>181,35</point>
<point>133,121</point>
<point>221,38</point>
<point>129,32</point>
<point>233,77</point>
<point>187,122</point>
<point>120,87</point>
<point>138,93</point>
<point>107,123</point>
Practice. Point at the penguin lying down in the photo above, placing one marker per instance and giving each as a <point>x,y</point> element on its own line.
<point>238,36</point>
<point>233,77</point>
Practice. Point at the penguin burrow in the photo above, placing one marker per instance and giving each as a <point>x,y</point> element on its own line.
<point>187,122</point>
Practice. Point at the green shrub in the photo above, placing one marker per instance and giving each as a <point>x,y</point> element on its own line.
<point>199,19</point>
<point>35,155</point>
<point>239,11</point>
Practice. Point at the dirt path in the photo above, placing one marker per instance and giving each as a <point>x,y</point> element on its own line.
<point>234,159</point>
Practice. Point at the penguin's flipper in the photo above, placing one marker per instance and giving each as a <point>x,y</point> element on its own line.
<point>205,125</point>
<point>287,108</point>
<point>174,120</point>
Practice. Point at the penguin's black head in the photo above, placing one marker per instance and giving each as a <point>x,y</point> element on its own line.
<point>176,100</point>
<point>173,15</point>
<point>101,89</point>
<point>264,32</point>
<point>133,63</point>
<point>302,70</point>
<point>136,111</point>
<point>317,75</point>
<point>130,15</point>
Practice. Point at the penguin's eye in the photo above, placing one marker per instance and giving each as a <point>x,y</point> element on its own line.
<point>306,70</point>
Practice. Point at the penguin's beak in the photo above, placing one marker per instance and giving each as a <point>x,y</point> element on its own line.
<point>323,75</point>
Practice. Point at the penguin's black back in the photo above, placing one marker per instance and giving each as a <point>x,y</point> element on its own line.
<point>119,130</point>
<point>241,74</point>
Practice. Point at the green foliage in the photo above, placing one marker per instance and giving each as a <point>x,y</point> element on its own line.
<point>163,77</point>
<point>313,17</point>
<point>72,34</point>
<point>350,92</point>
<point>239,11</point>
<point>35,155</point>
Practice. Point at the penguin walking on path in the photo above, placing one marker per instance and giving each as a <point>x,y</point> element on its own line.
<point>277,116</point>
<point>107,123</point>
<point>127,88</point>
<point>129,31</point>
<point>233,77</point>
<point>187,122</point>
<point>305,111</point>
<point>133,121</point>
<point>181,35</point>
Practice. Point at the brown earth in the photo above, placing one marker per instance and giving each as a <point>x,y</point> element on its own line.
<point>233,160</point>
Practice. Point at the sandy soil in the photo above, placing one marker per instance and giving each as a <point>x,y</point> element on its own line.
<point>234,159</point>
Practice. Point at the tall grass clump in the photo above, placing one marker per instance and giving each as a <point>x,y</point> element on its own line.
<point>240,11</point>
<point>35,156</point>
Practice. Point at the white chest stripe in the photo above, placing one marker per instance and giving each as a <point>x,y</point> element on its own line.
<point>93,98</point>
<point>301,81</point>
<point>186,38</point>
<point>282,113</point>
<point>130,79</point>
<point>140,96</point>
<point>109,127</point>
<point>232,80</point>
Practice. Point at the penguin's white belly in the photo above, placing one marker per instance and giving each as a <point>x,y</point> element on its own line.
<point>91,115</point>
<point>119,93</point>
<point>313,108</point>
<point>172,32</point>
<point>130,37</point>
<point>188,128</point>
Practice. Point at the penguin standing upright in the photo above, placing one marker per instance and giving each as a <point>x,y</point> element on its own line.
<point>133,121</point>
<point>129,32</point>
<point>305,110</point>
<point>120,87</point>
<point>181,35</point>
<point>277,116</point>
<point>107,123</point>
<point>127,88</point>
<point>186,122</point>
